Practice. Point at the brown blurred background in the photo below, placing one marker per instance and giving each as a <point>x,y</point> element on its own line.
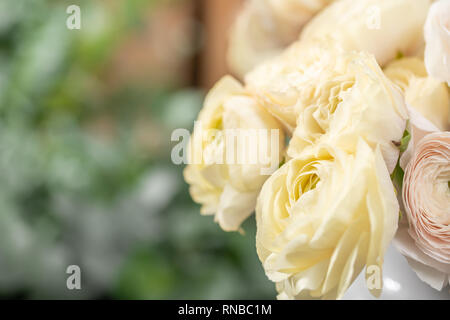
<point>183,42</point>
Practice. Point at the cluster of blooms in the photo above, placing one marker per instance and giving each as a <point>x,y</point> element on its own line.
<point>363,111</point>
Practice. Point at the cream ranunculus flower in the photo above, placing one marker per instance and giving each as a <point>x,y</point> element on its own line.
<point>349,97</point>
<point>279,82</point>
<point>425,94</point>
<point>380,27</point>
<point>322,217</point>
<point>424,237</point>
<point>226,186</point>
<point>437,39</point>
<point>264,28</point>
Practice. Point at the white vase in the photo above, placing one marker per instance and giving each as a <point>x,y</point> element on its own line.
<point>400,282</point>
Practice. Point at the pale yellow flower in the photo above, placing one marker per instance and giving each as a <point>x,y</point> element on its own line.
<point>264,28</point>
<point>428,96</point>
<point>437,38</point>
<point>381,27</point>
<point>343,99</point>
<point>225,186</point>
<point>280,82</point>
<point>322,217</point>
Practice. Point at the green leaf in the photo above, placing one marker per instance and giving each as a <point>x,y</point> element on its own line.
<point>405,141</point>
<point>397,177</point>
<point>398,173</point>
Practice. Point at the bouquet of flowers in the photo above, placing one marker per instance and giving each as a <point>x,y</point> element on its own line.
<point>338,142</point>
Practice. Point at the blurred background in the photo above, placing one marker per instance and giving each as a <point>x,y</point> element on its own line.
<point>86,177</point>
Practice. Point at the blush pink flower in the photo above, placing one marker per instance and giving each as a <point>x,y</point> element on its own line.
<point>426,196</point>
<point>425,238</point>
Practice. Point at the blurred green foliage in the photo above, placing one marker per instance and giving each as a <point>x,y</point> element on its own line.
<point>72,193</point>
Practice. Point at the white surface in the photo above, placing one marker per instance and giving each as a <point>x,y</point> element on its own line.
<point>400,282</point>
